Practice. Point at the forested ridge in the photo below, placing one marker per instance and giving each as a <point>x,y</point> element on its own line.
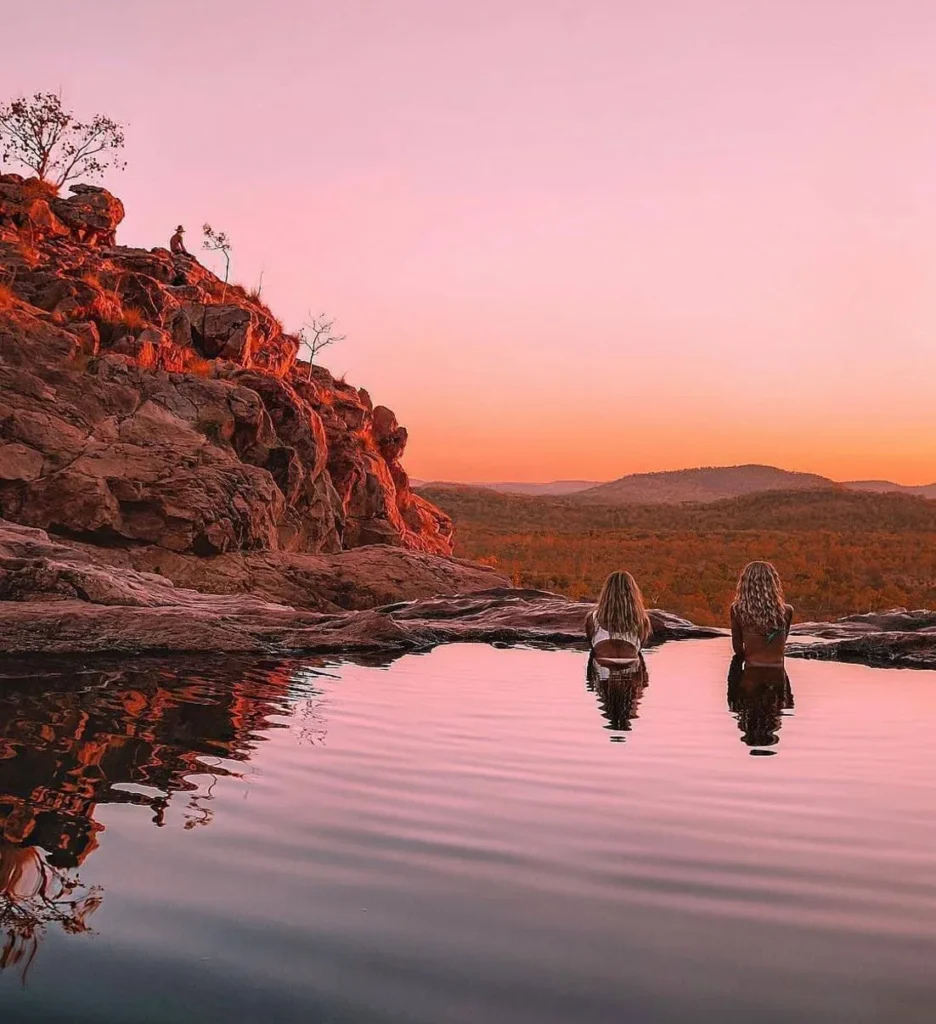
<point>839,551</point>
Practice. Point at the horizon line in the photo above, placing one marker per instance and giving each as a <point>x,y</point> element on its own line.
<point>420,480</point>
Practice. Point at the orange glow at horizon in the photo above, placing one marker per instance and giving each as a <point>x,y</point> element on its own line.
<point>564,241</point>
<point>490,457</point>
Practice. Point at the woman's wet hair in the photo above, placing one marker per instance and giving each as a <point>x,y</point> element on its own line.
<point>759,602</point>
<point>621,606</point>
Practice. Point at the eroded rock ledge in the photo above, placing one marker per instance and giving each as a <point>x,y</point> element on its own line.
<point>59,598</point>
<point>893,639</point>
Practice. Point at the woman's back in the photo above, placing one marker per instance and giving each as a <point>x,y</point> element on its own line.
<point>760,617</point>
<point>619,625</point>
<point>755,644</point>
<point>609,645</point>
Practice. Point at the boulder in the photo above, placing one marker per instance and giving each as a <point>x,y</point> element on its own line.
<point>91,214</point>
<point>391,438</point>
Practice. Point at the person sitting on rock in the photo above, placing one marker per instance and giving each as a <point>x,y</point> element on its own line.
<point>176,245</point>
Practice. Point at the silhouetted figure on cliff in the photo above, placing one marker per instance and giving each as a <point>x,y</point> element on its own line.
<point>181,256</point>
<point>176,245</point>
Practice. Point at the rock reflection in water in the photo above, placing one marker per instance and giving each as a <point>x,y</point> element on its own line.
<point>72,735</point>
<point>619,690</point>
<point>759,695</point>
<point>33,895</point>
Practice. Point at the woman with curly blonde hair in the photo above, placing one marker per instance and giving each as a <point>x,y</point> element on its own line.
<point>760,616</point>
<point>618,627</point>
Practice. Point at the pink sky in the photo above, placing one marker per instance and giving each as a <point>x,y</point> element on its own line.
<point>564,239</point>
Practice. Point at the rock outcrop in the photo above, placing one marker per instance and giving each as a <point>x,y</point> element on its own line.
<point>143,402</point>
<point>61,598</point>
<point>57,598</point>
<point>893,639</point>
<point>37,568</point>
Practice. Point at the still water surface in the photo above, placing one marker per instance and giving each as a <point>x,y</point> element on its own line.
<point>473,835</point>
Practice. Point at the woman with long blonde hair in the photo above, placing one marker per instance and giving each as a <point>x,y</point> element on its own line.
<point>618,627</point>
<point>760,616</point>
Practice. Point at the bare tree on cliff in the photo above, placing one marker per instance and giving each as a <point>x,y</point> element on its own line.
<point>39,133</point>
<point>318,332</point>
<point>218,241</point>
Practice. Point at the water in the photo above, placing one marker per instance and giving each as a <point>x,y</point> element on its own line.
<point>465,836</point>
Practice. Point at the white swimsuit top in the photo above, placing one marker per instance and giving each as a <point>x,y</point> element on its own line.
<point>601,634</point>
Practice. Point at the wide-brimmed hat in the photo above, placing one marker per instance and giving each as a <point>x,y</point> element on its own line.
<point>180,230</point>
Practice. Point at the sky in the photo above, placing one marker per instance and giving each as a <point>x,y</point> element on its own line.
<point>564,239</point>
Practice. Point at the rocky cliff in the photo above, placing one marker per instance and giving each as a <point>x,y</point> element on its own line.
<point>150,410</point>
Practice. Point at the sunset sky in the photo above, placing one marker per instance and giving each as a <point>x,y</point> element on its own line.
<point>565,239</point>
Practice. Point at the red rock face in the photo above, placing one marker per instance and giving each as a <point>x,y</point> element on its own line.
<point>145,402</point>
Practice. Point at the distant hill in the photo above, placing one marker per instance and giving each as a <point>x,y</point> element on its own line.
<point>886,486</point>
<point>710,483</point>
<point>552,488</point>
<point>810,509</point>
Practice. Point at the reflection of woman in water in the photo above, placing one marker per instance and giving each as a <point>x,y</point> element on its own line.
<point>618,627</point>
<point>619,689</point>
<point>760,617</point>
<point>758,695</point>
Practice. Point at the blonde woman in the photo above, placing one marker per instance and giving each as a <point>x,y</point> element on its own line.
<point>760,616</point>
<point>619,626</point>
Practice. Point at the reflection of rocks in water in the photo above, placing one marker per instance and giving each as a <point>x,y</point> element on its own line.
<point>73,736</point>
<point>619,690</point>
<point>759,695</point>
<point>34,895</point>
